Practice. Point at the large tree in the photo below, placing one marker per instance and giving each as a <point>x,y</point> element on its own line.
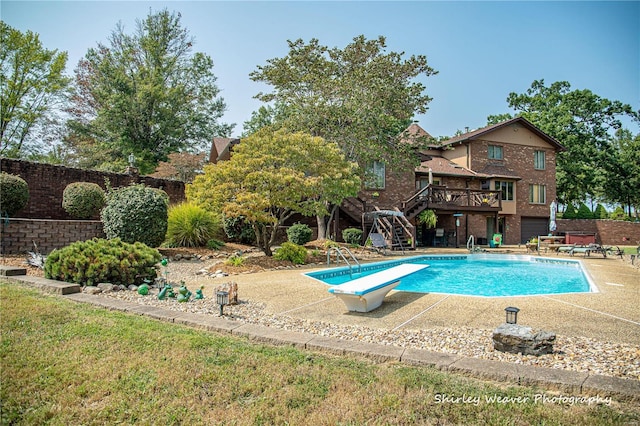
<point>360,97</point>
<point>31,85</point>
<point>621,177</point>
<point>145,93</point>
<point>273,175</point>
<point>580,120</point>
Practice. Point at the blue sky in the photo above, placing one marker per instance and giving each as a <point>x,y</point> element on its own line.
<point>482,50</point>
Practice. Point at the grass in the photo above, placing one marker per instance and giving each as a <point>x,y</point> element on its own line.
<point>68,363</point>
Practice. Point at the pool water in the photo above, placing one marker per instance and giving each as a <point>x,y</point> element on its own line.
<point>479,275</point>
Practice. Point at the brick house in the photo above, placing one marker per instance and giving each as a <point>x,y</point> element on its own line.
<point>497,179</point>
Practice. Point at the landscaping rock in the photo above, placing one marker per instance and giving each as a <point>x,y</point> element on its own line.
<point>232,289</point>
<point>106,287</point>
<point>516,339</point>
<point>89,289</point>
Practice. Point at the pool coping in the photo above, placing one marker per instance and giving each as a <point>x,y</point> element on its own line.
<point>514,374</point>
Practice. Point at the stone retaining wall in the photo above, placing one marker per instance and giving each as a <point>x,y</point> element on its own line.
<point>47,183</point>
<point>17,235</point>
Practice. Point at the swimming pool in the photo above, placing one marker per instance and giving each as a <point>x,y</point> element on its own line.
<point>488,275</point>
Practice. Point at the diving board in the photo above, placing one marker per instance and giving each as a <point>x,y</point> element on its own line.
<point>367,293</point>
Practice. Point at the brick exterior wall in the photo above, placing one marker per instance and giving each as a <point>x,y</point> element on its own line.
<point>608,232</point>
<point>47,183</point>
<point>18,235</point>
<point>518,160</point>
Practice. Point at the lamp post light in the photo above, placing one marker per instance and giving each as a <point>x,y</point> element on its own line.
<point>512,314</point>
<point>222,298</point>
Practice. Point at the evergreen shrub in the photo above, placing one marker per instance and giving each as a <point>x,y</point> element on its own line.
<point>352,236</point>
<point>299,234</point>
<point>100,260</point>
<point>292,252</point>
<point>584,212</point>
<point>190,225</point>
<point>14,194</point>
<point>570,212</point>
<point>238,230</point>
<point>136,213</point>
<point>601,212</point>
<point>83,200</point>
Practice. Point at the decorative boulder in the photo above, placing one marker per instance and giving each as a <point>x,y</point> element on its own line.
<point>516,339</point>
<point>232,289</point>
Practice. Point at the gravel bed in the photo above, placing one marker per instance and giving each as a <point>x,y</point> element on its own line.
<point>570,353</point>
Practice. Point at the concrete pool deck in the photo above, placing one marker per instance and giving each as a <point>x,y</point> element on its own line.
<point>612,314</point>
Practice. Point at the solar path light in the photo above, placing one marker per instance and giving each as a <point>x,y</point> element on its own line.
<point>512,314</point>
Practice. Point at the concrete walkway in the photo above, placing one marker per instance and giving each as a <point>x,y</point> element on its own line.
<point>403,309</point>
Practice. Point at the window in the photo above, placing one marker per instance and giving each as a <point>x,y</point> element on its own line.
<point>506,189</point>
<point>375,175</point>
<point>495,152</point>
<point>422,183</point>
<point>539,160</point>
<point>537,194</point>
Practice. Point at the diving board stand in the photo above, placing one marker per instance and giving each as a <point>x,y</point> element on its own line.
<point>367,293</point>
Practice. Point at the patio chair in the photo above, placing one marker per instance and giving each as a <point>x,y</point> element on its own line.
<point>439,237</point>
<point>614,251</point>
<point>587,250</point>
<point>378,242</point>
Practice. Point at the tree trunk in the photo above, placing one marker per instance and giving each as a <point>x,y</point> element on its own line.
<point>322,227</point>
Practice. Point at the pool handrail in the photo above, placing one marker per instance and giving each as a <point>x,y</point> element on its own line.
<point>472,241</point>
<point>338,251</point>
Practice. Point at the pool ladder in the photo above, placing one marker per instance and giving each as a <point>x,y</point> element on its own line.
<point>470,243</point>
<point>340,255</point>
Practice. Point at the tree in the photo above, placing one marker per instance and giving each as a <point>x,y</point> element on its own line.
<point>273,175</point>
<point>32,83</point>
<point>181,166</point>
<point>580,120</point>
<point>359,97</point>
<point>145,94</point>
<point>622,170</point>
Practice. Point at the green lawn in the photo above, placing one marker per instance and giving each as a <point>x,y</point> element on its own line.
<point>65,363</point>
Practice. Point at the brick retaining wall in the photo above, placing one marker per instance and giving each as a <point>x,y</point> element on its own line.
<point>18,235</point>
<point>608,232</point>
<point>47,183</point>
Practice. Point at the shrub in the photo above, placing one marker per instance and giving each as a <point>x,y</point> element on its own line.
<point>570,212</point>
<point>619,214</point>
<point>235,260</point>
<point>238,230</point>
<point>14,194</point>
<point>352,236</point>
<point>299,234</point>
<point>83,200</point>
<point>293,252</point>
<point>190,226</point>
<point>584,212</point>
<point>214,244</point>
<point>600,213</point>
<point>99,260</point>
<point>136,213</point>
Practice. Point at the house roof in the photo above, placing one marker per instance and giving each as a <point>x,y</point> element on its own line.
<point>479,133</point>
<point>440,166</point>
<point>220,149</point>
<point>414,131</point>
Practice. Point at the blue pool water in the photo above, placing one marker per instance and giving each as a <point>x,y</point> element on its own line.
<point>479,275</point>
